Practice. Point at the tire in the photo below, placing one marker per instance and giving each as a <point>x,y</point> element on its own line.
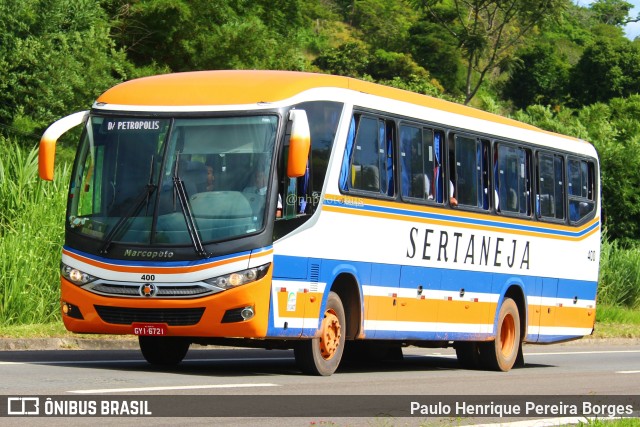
<point>164,351</point>
<point>501,354</point>
<point>322,355</point>
<point>468,353</point>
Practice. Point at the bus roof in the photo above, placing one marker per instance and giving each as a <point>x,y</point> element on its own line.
<point>237,87</point>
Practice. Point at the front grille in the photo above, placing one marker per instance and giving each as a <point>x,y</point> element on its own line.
<point>164,291</point>
<point>170,316</point>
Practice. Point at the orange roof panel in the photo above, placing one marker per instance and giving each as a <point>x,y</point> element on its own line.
<point>236,87</point>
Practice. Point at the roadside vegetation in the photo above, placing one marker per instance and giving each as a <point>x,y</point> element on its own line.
<point>31,236</point>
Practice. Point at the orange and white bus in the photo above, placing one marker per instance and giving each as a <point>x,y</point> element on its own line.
<point>317,213</point>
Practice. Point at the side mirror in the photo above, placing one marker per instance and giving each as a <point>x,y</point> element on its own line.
<point>299,144</point>
<point>47,150</point>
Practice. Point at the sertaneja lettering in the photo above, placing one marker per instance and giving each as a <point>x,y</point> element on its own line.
<point>480,250</point>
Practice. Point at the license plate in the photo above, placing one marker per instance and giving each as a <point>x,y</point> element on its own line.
<point>149,329</point>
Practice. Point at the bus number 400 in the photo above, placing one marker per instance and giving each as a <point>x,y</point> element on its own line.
<point>148,277</point>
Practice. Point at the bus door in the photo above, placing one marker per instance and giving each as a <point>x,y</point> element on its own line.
<point>290,289</point>
<point>547,308</point>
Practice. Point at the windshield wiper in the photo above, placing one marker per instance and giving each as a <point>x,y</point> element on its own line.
<point>183,197</point>
<point>144,195</point>
<point>133,210</point>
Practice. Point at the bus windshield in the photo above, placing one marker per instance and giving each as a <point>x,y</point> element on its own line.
<point>148,181</point>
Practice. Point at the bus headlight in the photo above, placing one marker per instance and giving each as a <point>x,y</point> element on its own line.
<point>239,278</point>
<point>75,276</point>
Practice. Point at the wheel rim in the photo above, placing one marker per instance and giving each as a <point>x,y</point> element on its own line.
<point>331,332</point>
<point>507,335</point>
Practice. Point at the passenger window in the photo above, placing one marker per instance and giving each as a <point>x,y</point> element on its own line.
<point>581,189</point>
<point>470,181</point>
<point>550,196</point>
<point>420,158</point>
<point>371,166</point>
<point>512,180</point>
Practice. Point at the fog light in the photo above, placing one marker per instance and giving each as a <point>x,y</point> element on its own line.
<point>247,313</point>
<point>71,310</point>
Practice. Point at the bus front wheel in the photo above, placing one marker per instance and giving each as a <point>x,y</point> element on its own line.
<point>501,354</point>
<point>322,354</point>
<point>163,351</point>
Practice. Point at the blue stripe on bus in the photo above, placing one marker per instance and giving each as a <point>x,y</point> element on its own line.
<point>409,277</point>
<point>431,335</point>
<point>556,338</point>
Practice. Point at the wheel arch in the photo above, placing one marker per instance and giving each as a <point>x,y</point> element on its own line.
<point>516,293</point>
<point>350,293</point>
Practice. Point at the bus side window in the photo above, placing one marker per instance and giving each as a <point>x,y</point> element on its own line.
<point>550,194</point>
<point>420,150</point>
<point>471,163</point>
<point>371,164</point>
<point>512,182</point>
<point>581,189</point>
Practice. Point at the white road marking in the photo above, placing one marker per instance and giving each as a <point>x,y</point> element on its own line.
<point>179,387</point>
<point>627,372</point>
<point>582,352</point>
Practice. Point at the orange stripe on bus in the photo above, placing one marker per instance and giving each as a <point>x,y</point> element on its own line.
<point>408,217</point>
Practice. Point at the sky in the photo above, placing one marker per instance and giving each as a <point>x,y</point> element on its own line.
<point>631,30</point>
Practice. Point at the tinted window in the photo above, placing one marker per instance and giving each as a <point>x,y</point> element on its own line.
<point>420,154</point>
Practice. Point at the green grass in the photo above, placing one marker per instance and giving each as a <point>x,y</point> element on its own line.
<point>617,322</point>
<point>31,236</point>
<point>619,281</point>
<point>623,422</point>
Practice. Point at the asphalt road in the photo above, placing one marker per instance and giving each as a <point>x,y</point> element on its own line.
<point>241,380</point>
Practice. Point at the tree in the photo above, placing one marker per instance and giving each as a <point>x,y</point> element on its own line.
<point>612,12</point>
<point>608,68</point>
<point>349,59</point>
<point>539,76</point>
<point>488,31</point>
<point>384,24</point>
<point>438,52</point>
<point>187,35</point>
<point>55,57</point>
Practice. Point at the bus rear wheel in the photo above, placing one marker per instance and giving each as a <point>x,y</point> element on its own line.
<point>501,354</point>
<point>164,351</point>
<point>322,355</point>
